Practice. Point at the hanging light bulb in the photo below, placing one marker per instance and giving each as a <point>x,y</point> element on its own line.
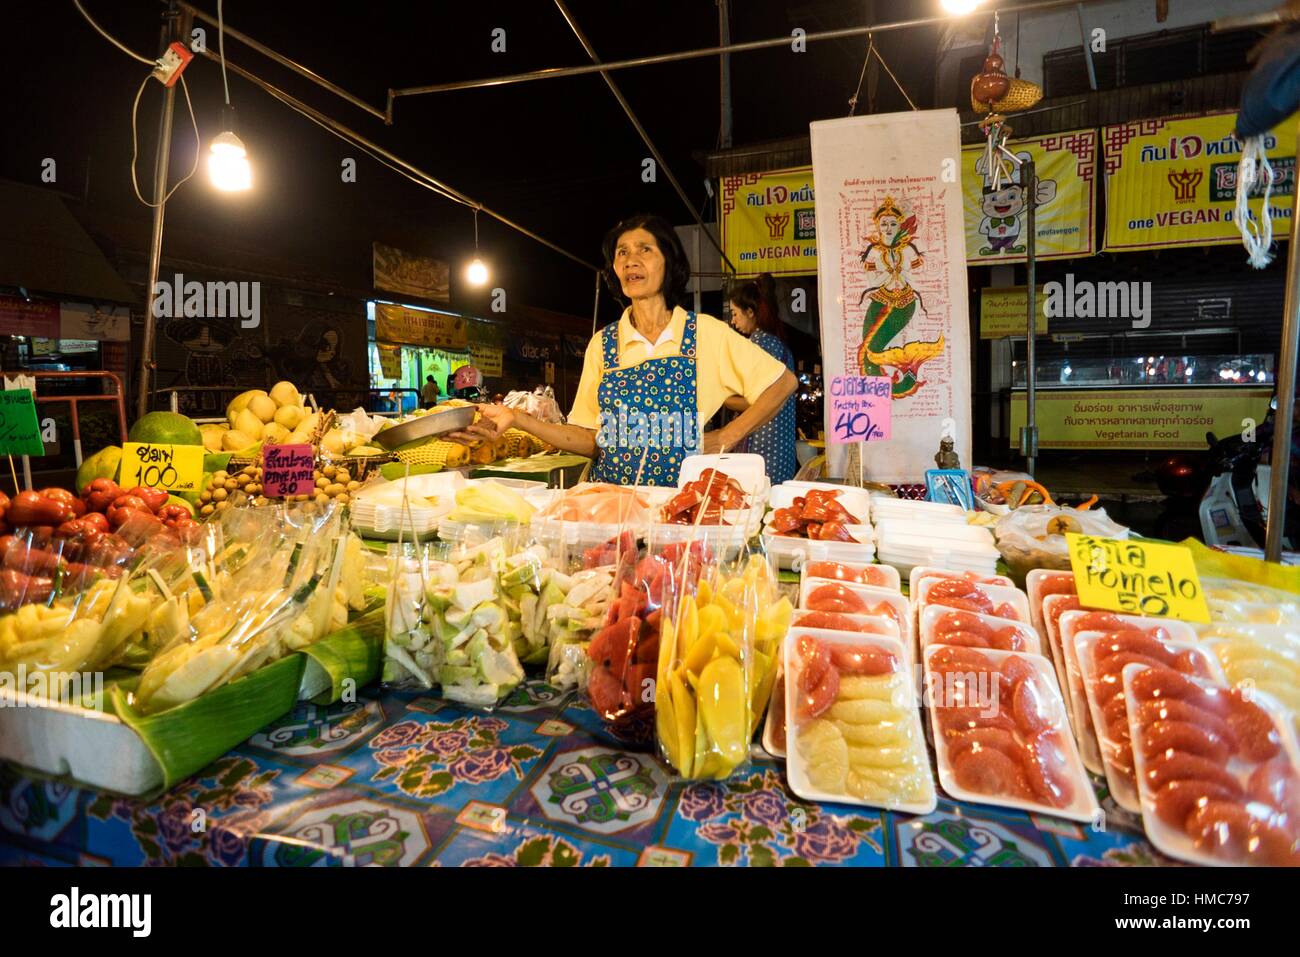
<point>959,8</point>
<point>228,166</point>
<point>477,273</point>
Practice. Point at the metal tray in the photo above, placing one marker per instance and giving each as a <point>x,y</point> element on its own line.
<point>426,426</point>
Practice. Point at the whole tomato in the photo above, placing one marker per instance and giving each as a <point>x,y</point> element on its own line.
<point>155,498</point>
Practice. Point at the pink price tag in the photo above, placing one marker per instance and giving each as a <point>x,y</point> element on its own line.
<point>288,470</point>
<point>861,409</point>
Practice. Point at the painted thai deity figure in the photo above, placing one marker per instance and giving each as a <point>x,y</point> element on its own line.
<point>890,256</point>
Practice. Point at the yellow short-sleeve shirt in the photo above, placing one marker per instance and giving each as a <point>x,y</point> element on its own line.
<point>726,364</point>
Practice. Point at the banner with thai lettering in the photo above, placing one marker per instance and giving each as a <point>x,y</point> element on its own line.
<point>419,327</point>
<point>1005,312</point>
<point>892,281</point>
<point>487,359</point>
<point>390,360</point>
<point>1173,182</point>
<point>1139,418</point>
<point>996,209</point>
<point>399,271</point>
<point>769,222</point>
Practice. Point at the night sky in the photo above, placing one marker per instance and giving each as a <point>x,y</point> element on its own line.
<point>555,155</point>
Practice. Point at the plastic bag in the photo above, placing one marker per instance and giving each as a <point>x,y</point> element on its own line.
<point>717,665</point>
<point>268,596</point>
<point>624,653</point>
<point>586,575</point>
<point>1033,536</point>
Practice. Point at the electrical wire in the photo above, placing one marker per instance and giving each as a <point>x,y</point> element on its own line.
<point>198,144</point>
<point>221,47</point>
<point>105,34</point>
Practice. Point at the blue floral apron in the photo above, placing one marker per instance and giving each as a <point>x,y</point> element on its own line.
<point>635,408</point>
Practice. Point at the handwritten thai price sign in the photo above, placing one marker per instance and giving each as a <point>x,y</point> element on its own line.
<point>176,468</point>
<point>861,409</point>
<point>20,430</point>
<point>288,470</point>
<point>1139,578</point>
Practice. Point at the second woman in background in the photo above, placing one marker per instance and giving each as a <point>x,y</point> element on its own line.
<point>754,315</point>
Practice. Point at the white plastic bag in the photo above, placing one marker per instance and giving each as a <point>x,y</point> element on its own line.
<point>1034,536</point>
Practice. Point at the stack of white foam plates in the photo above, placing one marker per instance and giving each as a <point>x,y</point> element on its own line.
<point>909,534</point>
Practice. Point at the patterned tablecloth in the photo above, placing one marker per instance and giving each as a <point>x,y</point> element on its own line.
<point>412,780</point>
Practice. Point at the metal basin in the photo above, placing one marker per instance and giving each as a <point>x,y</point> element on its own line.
<point>426,426</point>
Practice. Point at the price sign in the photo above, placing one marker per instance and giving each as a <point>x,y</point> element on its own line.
<point>1139,578</point>
<point>176,468</point>
<point>20,430</point>
<point>288,470</point>
<point>861,409</point>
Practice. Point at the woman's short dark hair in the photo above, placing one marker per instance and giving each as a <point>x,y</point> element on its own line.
<point>759,296</point>
<point>677,268</point>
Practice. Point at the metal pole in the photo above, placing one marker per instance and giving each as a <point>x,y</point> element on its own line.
<point>1087,51</point>
<point>350,135</point>
<point>595,309</point>
<point>554,72</point>
<point>161,161</point>
<point>290,64</point>
<point>724,38</point>
<point>636,124</point>
<point>1280,460</point>
<point>1029,434</point>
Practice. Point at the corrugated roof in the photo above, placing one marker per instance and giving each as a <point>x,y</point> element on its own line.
<point>44,249</point>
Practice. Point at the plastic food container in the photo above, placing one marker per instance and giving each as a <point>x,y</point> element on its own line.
<point>1233,802</point>
<point>1101,657</point>
<point>888,529</point>
<point>939,623</point>
<point>906,552</point>
<point>789,552</point>
<point>906,509</point>
<point>922,572</point>
<point>1072,623</point>
<point>854,500</point>
<point>1241,592</point>
<point>862,573</point>
<point>855,733</point>
<point>774,722</point>
<point>997,600</point>
<point>1265,657</point>
<point>1001,735</point>
<point>378,511</point>
<point>854,599</point>
<point>1042,582</point>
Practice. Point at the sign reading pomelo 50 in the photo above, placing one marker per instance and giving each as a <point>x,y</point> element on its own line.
<point>176,468</point>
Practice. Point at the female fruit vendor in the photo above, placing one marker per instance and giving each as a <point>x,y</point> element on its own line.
<point>754,316</point>
<point>651,380</point>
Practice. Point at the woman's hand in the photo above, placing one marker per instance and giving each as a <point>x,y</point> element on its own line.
<point>717,442</point>
<point>496,419</point>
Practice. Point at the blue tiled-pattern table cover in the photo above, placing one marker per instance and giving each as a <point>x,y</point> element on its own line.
<point>402,779</point>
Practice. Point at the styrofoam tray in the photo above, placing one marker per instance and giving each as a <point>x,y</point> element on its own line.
<point>92,747</point>
<point>1036,583</point>
<point>1122,788</point>
<point>1068,626</point>
<point>1083,806</point>
<point>746,468</point>
<point>906,508</point>
<point>884,576</point>
<point>998,593</point>
<point>864,624</point>
<point>1166,839</point>
<point>890,529</point>
<point>796,772</point>
<point>788,551</point>
<point>854,500</point>
<point>922,572</point>
<point>1033,643</point>
<point>874,597</point>
<point>774,725</point>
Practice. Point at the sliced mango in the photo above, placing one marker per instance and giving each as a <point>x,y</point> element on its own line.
<point>684,712</point>
<point>722,701</point>
<point>666,723</point>
<point>700,653</point>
